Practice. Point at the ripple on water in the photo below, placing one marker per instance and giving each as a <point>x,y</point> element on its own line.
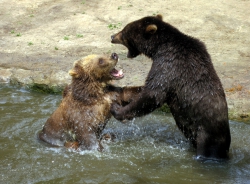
<point>146,150</point>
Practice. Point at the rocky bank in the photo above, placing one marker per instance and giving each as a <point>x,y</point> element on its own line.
<point>40,40</point>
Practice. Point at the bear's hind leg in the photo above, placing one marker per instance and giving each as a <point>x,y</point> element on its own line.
<point>89,141</point>
<point>72,145</point>
<point>209,147</point>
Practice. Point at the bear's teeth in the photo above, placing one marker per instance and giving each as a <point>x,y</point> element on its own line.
<point>117,73</point>
<point>120,73</point>
<point>114,71</point>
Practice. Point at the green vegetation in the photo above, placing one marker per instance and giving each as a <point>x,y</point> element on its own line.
<point>79,35</point>
<point>43,88</point>
<point>18,34</point>
<point>66,38</point>
<point>56,48</point>
<point>164,108</point>
<point>154,14</point>
<point>114,26</point>
<point>30,43</point>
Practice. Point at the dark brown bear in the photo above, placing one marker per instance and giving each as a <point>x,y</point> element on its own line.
<point>85,108</point>
<point>183,76</point>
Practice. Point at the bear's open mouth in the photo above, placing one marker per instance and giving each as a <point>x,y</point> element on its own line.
<point>116,74</point>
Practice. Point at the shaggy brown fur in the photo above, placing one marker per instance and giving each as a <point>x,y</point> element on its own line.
<point>85,108</point>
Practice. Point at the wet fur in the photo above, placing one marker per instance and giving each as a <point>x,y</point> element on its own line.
<point>85,108</point>
<point>182,75</point>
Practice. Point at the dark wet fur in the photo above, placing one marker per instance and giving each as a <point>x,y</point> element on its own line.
<point>182,75</point>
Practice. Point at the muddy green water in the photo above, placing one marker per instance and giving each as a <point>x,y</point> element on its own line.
<point>147,150</point>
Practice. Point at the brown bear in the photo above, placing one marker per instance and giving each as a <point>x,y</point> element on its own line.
<point>182,75</point>
<point>85,108</point>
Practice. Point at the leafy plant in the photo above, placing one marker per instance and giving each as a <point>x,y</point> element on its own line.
<point>18,34</point>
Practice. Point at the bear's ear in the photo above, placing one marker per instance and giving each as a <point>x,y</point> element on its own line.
<point>73,73</point>
<point>152,28</point>
<point>159,16</point>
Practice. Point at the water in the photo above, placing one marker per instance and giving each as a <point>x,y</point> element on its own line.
<point>147,150</point>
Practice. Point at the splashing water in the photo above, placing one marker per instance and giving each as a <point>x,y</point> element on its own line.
<point>146,150</point>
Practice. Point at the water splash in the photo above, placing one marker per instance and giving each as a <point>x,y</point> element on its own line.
<point>149,149</point>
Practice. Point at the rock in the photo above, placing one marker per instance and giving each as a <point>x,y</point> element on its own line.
<point>40,40</point>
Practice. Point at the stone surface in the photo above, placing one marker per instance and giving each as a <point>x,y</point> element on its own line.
<point>41,39</point>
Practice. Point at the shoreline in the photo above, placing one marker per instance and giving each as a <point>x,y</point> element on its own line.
<point>41,39</point>
<point>23,78</point>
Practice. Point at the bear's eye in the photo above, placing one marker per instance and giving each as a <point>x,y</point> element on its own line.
<point>101,61</point>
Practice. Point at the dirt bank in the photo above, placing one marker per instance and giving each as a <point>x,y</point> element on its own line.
<point>40,40</point>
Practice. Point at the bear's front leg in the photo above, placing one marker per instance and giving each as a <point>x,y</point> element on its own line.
<point>118,112</point>
<point>142,104</point>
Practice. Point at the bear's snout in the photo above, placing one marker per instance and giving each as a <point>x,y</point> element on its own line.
<point>114,56</point>
<point>116,38</point>
<point>112,38</point>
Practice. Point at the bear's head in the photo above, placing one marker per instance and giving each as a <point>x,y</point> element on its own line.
<point>141,36</point>
<point>97,68</point>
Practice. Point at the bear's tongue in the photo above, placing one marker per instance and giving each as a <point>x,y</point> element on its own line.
<point>117,74</point>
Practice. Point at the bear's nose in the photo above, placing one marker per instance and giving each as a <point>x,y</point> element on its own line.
<point>113,39</point>
<point>114,56</point>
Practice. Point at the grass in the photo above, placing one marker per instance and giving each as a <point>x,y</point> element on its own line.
<point>66,38</point>
<point>154,14</point>
<point>13,32</point>
<point>114,26</point>
<point>79,35</point>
